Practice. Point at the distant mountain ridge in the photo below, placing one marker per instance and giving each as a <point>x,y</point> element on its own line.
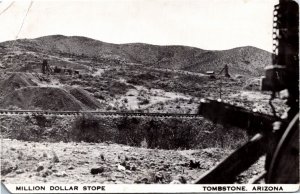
<point>246,60</point>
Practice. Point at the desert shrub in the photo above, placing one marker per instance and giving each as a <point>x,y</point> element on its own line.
<point>20,132</point>
<point>12,107</point>
<point>39,120</point>
<point>134,81</point>
<point>88,128</point>
<point>35,128</point>
<point>125,100</point>
<point>144,101</point>
<point>130,131</point>
<point>152,133</point>
<point>218,136</point>
<point>24,129</point>
<point>191,100</point>
<point>166,133</point>
<point>177,134</point>
<point>109,107</point>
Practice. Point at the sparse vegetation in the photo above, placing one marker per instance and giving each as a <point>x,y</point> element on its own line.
<point>143,101</point>
<point>176,133</point>
<point>88,128</point>
<point>137,68</point>
<point>28,128</point>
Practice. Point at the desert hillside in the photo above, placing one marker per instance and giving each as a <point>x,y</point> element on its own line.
<point>89,75</point>
<point>125,77</point>
<point>243,60</point>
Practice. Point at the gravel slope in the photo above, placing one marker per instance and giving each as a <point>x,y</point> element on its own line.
<point>31,162</point>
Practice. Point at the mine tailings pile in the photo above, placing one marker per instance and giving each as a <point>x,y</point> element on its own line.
<point>85,98</point>
<point>19,91</point>
<point>45,98</point>
<point>14,82</point>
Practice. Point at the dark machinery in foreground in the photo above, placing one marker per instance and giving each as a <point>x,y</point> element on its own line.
<point>273,136</point>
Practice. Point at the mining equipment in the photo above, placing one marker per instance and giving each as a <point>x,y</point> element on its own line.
<point>273,136</point>
<point>226,74</point>
<point>211,74</point>
<point>45,68</point>
<point>225,69</point>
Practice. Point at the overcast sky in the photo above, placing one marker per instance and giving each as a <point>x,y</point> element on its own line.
<point>206,24</point>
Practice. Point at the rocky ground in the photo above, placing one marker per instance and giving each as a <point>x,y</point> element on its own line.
<point>128,77</point>
<point>32,162</point>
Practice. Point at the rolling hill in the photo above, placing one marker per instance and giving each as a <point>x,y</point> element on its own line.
<point>242,60</point>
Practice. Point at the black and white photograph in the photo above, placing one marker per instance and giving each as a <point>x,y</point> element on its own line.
<point>158,92</point>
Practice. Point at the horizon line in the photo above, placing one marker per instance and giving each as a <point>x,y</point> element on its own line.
<point>161,45</point>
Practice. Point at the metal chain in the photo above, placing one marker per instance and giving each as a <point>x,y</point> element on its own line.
<point>275,34</point>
